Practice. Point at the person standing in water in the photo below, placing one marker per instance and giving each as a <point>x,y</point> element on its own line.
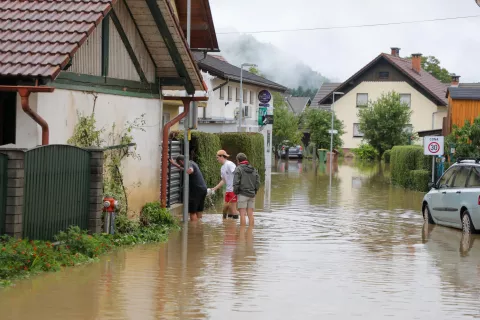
<point>226,172</point>
<point>246,183</point>
<point>197,187</point>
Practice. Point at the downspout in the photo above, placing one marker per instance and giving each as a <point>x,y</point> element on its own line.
<point>433,118</point>
<point>25,95</point>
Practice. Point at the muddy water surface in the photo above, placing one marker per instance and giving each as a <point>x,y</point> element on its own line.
<point>355,251</point>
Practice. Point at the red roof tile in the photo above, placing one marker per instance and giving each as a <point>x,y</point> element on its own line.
<point>38,37</point>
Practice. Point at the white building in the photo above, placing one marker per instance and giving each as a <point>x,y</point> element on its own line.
<point>387,72</point>
<point>219,114</point>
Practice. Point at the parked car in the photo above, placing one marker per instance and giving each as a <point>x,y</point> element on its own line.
<point>454,201</point>
<point>296,151</point>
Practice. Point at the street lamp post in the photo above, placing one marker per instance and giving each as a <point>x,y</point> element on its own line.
<point>240,111</point>
<point>331,130</point>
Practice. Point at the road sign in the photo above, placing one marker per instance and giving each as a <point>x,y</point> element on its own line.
<point>334,131</point>
<point>433,146</point>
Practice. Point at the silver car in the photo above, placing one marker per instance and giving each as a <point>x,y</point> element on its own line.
<point>296,151</point>
<point>454,201</point>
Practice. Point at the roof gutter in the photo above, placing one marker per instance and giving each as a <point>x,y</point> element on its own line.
<point>166,128</point>
<point>24,92</point>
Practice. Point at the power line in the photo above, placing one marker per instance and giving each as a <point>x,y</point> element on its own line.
<point>353,26</point>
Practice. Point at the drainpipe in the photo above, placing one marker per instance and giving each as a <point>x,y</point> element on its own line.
<point>433,119</point>
<point>25,95</point>
<point>24,92</point>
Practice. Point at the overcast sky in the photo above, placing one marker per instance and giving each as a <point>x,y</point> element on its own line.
<point>338,54</point>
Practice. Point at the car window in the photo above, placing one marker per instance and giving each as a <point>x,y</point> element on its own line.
<point>461,178</point>
<point>446,178</point>
<point>474,180</point>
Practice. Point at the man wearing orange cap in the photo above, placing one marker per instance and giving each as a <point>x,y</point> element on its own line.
<point>226,172</point>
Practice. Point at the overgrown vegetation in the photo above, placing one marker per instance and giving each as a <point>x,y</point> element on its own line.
<point>22,258</point>
<point>366,152</point>
<point>408,165</point>
<point>384,122</point>
<point>286,124</point>
<point>87,134</point>
<point>466,139</point>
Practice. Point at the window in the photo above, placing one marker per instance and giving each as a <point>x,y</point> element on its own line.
<point>222,93</point>
<point>474,180</point>
<point>362,100</point>
<point>461,177</point>
<point>237,94</point>
<point>446,178</point>
<point>229,93</point>
<point>356,131</point>
<point>247,114</point>
<point>405,98</point>
<point>244,96</point>
<point>383,75</point>
<point>166,118</point>
<point>251,97</point>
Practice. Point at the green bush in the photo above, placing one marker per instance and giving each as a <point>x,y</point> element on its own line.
<point>386,156</point>
<point>154,215</point>
<point>405,159</point>
<point>252,144</point>
<point>420,179</point>
<point>366,152</point>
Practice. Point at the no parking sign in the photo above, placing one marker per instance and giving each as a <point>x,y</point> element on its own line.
<point>433,146</point>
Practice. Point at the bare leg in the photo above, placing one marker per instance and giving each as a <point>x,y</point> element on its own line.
<point>251,220</point>
<point>243,219</point>
<point>225,210</point>
<point>193,217</point>
<point>199,215</point>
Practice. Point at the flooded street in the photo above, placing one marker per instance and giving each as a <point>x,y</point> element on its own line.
<point>357,251</point>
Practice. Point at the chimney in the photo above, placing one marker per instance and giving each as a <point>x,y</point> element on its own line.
<point>395,52</point>
<point>417,62</point>
<point>455,80</point>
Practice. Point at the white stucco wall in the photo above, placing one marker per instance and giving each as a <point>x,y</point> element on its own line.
<point>60,108</point>
<point>422,108</point>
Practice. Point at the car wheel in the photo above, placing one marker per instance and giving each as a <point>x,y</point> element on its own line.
<point>467,225</point>
<point>427,216</point>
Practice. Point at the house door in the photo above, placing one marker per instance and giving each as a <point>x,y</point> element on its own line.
<point>8,117</point>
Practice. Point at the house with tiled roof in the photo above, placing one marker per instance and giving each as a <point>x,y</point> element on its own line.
<point>108,58</point>
<point>463,104</point>
<point>389,72</point>
<point>325,89</point>
<point>298,105</point>
<point>220,113</point>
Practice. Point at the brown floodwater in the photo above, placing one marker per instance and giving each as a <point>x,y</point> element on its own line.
<point>355,250</point>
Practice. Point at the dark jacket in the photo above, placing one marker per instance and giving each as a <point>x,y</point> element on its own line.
<point>246,180</point>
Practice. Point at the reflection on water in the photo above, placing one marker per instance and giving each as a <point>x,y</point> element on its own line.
<point>360,251</point>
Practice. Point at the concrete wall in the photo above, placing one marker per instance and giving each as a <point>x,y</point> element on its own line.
<point>60,108</point>
<point>422,108</point>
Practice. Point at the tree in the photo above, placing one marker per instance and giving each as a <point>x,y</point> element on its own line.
<point>384,121</point>
<point>432,64</point>
<point>255,71</point>
<point>319,122</point>
<point>466,139</point>
<point>285,124</point>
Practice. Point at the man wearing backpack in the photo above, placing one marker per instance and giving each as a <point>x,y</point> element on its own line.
<point>246,183</point>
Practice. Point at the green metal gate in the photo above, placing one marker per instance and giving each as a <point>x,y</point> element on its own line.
<point>57,184</point>
<point>3,191</point>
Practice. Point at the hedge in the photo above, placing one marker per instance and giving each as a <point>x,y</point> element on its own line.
<point>250,143</point>
<point>420,179</point>
<point>405,159</point>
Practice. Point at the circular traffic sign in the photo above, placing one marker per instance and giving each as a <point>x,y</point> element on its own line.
<point>434,147</point>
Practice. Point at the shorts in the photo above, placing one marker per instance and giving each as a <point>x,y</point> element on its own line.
<point>245,202</point>
<point>230,197</point>
<point>197,202</point>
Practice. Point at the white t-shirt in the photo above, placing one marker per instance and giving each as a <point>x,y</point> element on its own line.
<point>227,174</point>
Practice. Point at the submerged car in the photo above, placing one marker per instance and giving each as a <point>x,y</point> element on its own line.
<point>296,151</point>
<point>454,201</point>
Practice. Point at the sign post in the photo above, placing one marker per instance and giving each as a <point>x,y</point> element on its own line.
<point>265,121</point>
<point>433,146</point>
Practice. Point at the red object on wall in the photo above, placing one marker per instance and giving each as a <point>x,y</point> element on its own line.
<point>108,204</point>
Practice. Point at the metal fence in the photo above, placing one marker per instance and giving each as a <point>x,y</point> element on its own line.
<point>175,177</point>
<point>3,191</point>
<point>57,184</point>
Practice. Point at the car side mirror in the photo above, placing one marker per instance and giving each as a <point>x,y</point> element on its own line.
<point>431,185</point>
